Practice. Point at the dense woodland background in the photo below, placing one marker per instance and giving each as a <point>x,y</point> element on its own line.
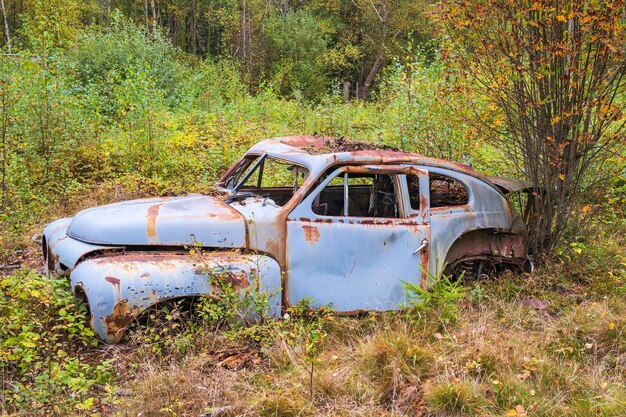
<point>309,46</point>
<point>104,100</point>
<point>162,96</point>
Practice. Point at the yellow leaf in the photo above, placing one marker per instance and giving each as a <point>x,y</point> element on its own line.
<point>604,109</point>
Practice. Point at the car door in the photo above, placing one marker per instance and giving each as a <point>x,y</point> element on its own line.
<point>354,239</point>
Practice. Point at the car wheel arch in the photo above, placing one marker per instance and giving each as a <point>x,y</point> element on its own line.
<point>486,248</point>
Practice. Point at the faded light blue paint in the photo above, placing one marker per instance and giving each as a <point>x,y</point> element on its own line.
<point>127,256</point>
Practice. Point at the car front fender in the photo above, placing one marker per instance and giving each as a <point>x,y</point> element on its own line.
<point>118,288</point>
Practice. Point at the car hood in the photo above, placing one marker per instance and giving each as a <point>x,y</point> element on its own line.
<point>167,221</point>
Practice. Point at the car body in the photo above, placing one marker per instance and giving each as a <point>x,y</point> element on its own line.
<point>340,222</point>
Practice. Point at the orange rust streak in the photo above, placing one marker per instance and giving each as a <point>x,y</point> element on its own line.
<point>238,279</point>
<point>311,234</point>
<point>302,141</point>
<point>116,284</point>
<point>232,215</point>
<point>153,212</point>
<point>423,207</point>
<point>113,280</point>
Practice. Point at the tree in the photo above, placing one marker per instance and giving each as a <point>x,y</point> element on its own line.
<point>555,69</point>
<point>7,33</point>
<point>379,25</point>
<point>298,45</point>
<point>50,24</point>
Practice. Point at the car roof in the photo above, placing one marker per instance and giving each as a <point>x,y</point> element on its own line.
<point>313,151</point>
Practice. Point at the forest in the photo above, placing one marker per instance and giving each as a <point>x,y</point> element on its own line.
<point>109,100</point>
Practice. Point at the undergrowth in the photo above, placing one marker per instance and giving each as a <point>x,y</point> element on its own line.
<point>497,354</point>
<point>45,343</point>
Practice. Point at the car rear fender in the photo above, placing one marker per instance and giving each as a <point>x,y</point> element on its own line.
<point>489,244</point>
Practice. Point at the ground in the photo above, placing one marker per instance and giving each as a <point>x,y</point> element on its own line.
<point>547,344</point>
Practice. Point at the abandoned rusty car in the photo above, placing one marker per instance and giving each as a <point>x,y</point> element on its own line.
<point>342,223</point>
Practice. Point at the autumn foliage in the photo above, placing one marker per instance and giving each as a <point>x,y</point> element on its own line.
<point>554,71</point>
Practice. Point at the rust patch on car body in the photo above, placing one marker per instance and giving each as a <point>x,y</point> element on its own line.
<point>238,279</point>
<point>423,208</point>
<point>330,145</point>
<point>113,280</point>
<point>424,261</point>
<point>117,323</point>
<point>145,256</point>
<point>311,234</point>
<point>153,212</point>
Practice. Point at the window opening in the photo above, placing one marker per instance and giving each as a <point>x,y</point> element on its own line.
<point>267,177</point>
<point>444,191</point>
<point>358,195</point>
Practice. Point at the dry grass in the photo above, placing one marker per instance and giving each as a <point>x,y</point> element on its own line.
<point>500,358</point>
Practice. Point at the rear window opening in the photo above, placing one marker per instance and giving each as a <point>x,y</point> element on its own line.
<point>444,191</point>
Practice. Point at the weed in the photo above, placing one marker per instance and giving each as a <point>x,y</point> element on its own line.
<point>439,299</point>
<point>453,398</point>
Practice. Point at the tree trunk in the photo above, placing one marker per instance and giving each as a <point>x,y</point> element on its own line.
<point>244,33</point>
<point>108,12</point>
<point>345,90</point>
<point>6,26</point>
<point>154,19</point>
<point>3,102</point>
<point>194,28</point>
<point>145,9</point>
<point>201,36</point>
<point>378,63</point>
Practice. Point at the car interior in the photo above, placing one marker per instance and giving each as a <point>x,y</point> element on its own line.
<point>266,177</point>
<point>369,195</point>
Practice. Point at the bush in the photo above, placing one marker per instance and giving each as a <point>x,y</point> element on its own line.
<point>43,332</point>
<point>123,55</point>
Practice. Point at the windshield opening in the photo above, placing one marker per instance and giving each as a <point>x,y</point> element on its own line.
<point>267,177</point>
